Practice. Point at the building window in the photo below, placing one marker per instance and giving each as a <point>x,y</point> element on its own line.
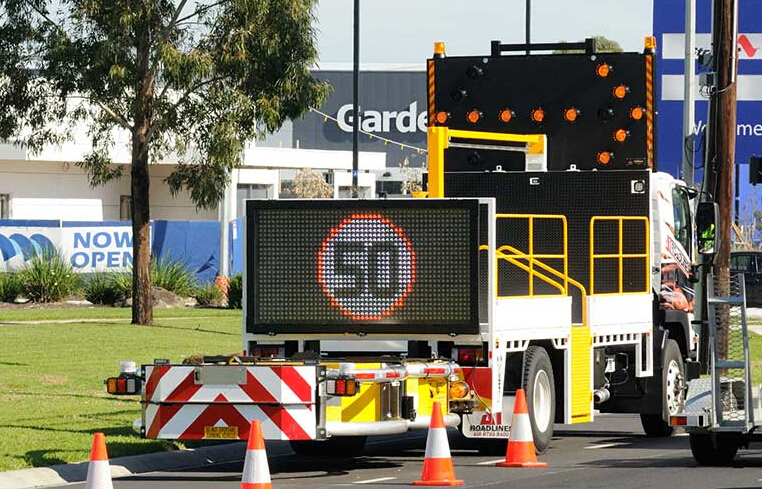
<point>251,191</point>
<point>5,206</point>
<point>125,208</point>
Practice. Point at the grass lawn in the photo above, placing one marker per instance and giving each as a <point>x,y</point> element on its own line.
<point>105,312</point>
<point>52,397</point>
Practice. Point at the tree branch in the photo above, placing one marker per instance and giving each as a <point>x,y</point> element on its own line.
<point>201,10</point>
<point>47,19</point>
<point>114,115</point>
<point>182,98</point>
<point>165,35</point>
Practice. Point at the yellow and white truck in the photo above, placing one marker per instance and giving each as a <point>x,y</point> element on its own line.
<point>549,254</point>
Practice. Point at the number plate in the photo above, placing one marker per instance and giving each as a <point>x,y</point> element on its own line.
<point>221,432</point>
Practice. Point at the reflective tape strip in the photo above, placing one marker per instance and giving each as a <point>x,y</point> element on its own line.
<point>98,475</point>
<point>436,443</point>
<point>521,429</point>
<point>650,110</point>
<point>187,421</point>
<point>255,468</point>
<point>431,91</point>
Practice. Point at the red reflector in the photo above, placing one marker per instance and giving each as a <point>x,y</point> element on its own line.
<point>392,375</point>
<point>434,371</point>
<point>368,376</point>
<point>678,420</point>
<point>466,355</point>
<point>269,351</point>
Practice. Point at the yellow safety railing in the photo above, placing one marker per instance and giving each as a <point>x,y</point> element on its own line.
<point>529,261</point>
<point>438,140</point>
<point>620,256</point>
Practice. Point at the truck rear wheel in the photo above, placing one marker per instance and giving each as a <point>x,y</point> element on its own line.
<point>673,392</point>
<point>718,453</point>
<point>540,389</point>
<point>346,446</point>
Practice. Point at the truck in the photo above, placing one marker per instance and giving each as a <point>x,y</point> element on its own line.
<point>549,255</point>
<point>723,411</point>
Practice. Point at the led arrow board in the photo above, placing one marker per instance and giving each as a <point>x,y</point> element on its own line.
<point>375,267</point>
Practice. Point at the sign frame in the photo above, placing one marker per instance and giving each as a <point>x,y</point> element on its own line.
<point>383,327</point>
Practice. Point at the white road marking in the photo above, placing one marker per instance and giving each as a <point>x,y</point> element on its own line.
<point>380,479</point>
<point>606,445</point>
<point>491,462</point>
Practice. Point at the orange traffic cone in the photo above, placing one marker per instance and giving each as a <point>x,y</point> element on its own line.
<point>256,472</point>
<point>520,452</point>
<point>98,471</point>
<point>437,466</point>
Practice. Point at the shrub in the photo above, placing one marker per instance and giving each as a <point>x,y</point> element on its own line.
<point>48,277</point>
<point>103,288</point>
<point>10,287</point>
<point>123,283</point>
<point>235,291</point>
<point>209,295</point>
<point>173,276</point>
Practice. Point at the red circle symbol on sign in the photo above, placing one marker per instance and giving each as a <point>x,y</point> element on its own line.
<point>366,267</point>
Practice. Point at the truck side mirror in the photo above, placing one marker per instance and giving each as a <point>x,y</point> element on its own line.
<point>707,216</point>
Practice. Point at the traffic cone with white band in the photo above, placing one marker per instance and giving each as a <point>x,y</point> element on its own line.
<point>520,452</point>
<point>437,467</point>
<point>98,471</point>
<point>256,472</point>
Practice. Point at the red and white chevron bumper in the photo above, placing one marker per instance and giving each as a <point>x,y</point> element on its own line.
<point>194,402</point>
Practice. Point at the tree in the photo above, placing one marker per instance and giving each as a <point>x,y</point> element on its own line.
<point>198,81</point>
<point>602,45</point>
<point>309,184</point>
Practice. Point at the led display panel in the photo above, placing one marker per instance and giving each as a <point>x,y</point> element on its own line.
<point>373,267</point>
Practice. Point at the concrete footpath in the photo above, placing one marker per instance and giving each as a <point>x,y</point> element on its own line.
<point>124,466</point>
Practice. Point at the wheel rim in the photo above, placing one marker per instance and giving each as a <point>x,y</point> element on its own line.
<point>541,398</point>
<point>674,388</point>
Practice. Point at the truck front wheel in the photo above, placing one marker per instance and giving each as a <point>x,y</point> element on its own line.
<point>539,385</point>
<point>673,392</point>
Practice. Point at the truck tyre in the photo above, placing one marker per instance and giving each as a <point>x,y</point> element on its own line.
<point>540,389</point>
<point>344,446</point>
<point>673,398</point>
<point>707,453</point>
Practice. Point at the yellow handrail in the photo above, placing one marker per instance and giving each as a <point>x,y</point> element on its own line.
<point>530,255</point>
<point>620,256</point>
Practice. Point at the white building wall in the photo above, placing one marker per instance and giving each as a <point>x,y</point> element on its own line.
<point>50,186</point>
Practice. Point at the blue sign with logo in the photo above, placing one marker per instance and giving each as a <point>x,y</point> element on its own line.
<point>669,29</point>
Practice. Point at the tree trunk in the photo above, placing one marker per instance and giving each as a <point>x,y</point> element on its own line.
<point>142,307</point>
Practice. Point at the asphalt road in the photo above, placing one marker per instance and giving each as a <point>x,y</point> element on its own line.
<point>612,452</point>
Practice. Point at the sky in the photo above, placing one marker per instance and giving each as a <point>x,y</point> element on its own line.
<point>403,31</point>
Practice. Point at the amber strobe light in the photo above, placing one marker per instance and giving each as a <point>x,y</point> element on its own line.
<point>459,390</point>
<point>538,115</point>
<point>637,113</point>
<point>441,117</point>
<point>506,115</point>
<point>473,116</point>
<point>620,135</point>
<point>439,48</point>
<point>604,157</point>
<point>603,70</point>
<point>621,91</point>
<point>571,114</point>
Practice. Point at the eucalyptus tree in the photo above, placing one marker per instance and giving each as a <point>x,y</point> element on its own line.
<point>162,77</point>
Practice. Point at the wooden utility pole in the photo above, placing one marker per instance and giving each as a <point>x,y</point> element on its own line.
<point>720,158</point>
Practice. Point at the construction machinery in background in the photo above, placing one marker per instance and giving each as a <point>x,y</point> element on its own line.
<point>550,255</point>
